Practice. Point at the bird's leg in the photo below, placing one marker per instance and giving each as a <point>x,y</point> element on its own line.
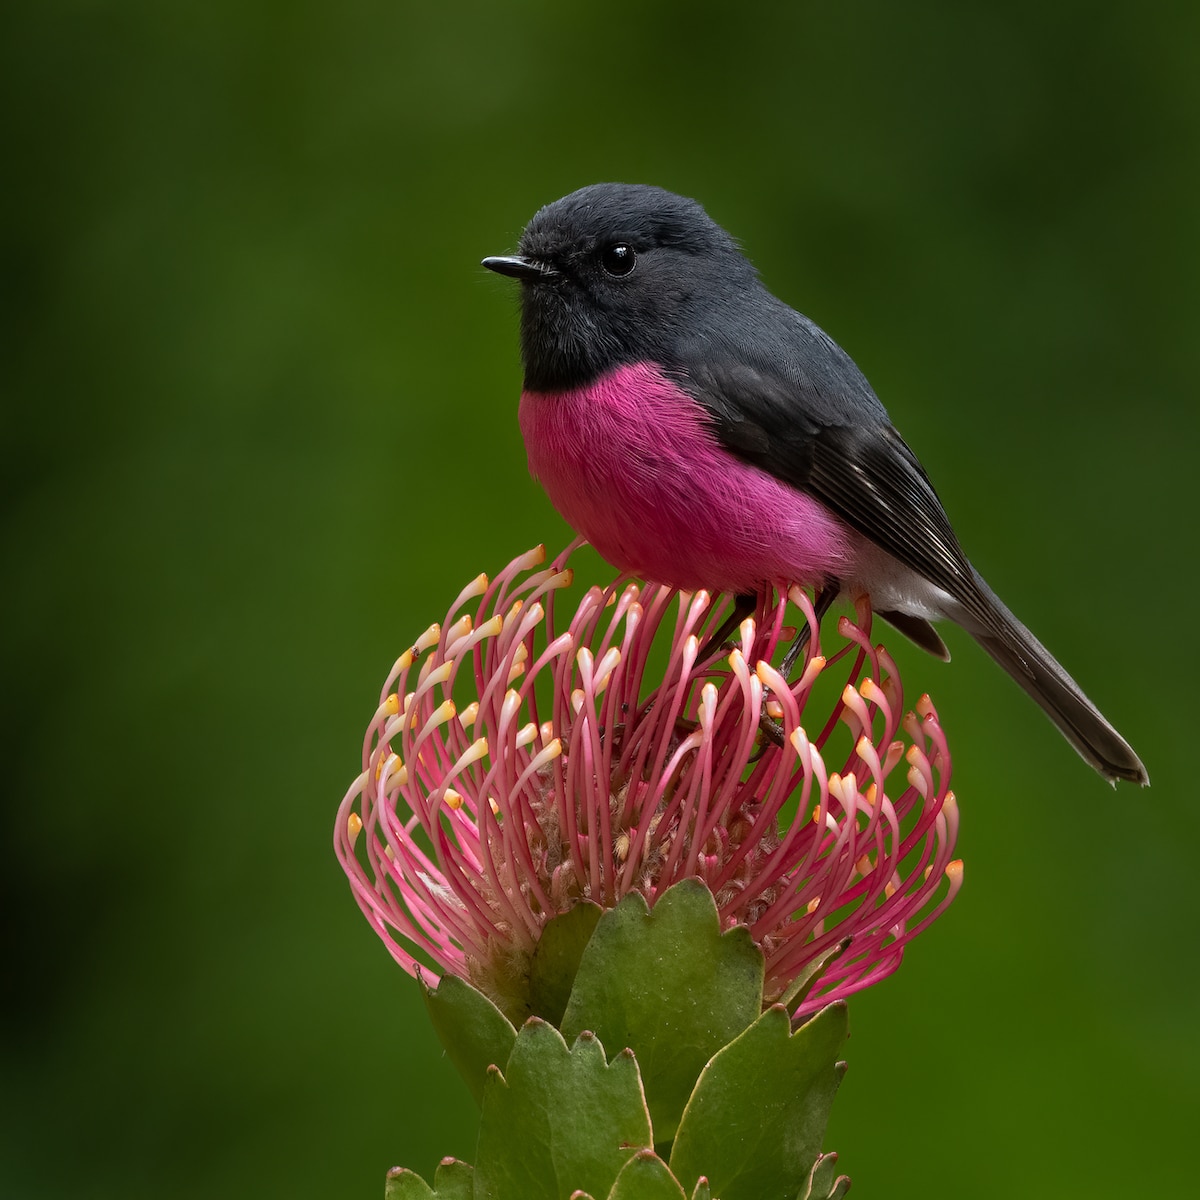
<point>743,606</point>
<point>822,602</point>
<point>771,729</point>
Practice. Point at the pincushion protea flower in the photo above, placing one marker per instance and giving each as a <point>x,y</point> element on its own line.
<point>520,763</point>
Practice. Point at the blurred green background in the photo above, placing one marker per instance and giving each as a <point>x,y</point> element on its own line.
<point>259,425</point>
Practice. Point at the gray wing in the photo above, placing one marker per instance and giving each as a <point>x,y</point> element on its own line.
<point>862,469</point>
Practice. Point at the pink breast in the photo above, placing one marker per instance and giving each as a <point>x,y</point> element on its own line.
<point>630,463</point>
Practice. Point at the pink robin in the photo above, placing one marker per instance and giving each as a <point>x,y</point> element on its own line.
<point>701,433</point>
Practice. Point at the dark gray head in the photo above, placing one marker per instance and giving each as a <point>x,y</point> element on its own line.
<point>611,274</point>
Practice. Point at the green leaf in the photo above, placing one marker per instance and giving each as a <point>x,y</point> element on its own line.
<point>669,985</point>
<point>755,1123</point>
<point>452,1181</point>
<point>474,1032</point>
<point>556,960</point>
<point>646,1177</point>
<point>702,1190</point>
<point>823,1182</point>
<point>558,1120</point>
<point>403,1184</point>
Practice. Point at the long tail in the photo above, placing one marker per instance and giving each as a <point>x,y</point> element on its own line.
<point>1033,666</point>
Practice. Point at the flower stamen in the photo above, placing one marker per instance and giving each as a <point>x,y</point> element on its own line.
<point>517,765</point>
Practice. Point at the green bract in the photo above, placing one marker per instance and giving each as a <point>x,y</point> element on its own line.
<point>664,1078</point>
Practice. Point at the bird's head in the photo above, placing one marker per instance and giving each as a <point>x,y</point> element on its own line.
<point>613,274</point>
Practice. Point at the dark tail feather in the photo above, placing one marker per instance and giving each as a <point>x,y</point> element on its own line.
<point>1035,669</point>
<point>919,632</point>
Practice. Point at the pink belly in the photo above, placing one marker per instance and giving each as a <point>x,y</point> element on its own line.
<point>630,463</point>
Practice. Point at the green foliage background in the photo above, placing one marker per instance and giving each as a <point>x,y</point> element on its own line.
<point>258,426</point>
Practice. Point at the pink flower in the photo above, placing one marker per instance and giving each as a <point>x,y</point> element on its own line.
<point>520,763</point>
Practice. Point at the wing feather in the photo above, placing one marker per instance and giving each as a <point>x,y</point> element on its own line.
<point>863,471</point>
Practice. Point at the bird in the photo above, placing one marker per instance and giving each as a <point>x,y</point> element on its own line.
<point>699,432</point>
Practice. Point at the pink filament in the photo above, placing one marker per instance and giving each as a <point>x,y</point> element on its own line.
<point>640,781</point>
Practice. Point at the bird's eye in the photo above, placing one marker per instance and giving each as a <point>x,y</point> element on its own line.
<point>618,259</point>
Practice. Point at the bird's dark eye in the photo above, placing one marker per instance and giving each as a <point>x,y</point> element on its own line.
<point>618,259</point>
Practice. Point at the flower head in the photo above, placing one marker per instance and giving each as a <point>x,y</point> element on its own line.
<point>520,763</point>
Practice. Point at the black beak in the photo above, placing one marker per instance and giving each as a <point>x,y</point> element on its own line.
<point>528,270</point>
